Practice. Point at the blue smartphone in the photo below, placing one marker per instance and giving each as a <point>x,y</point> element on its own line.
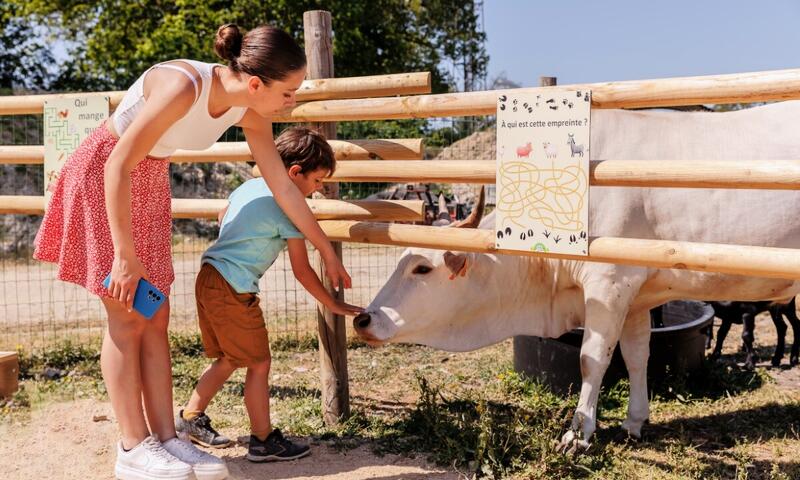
<point>147,299</point>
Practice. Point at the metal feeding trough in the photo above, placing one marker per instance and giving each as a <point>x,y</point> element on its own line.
<point>677,345</point>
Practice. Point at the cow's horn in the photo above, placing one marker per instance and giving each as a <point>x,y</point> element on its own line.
<point>475,216</point>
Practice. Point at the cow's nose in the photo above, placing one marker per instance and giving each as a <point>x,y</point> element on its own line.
<point>361,321</point>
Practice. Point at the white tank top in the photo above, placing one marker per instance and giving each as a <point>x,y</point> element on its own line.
<point>196,130</point>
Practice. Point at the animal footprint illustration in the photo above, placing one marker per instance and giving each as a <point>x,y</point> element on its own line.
<point>556,239</point>
<point>546,234</point>
<point>499,234</point>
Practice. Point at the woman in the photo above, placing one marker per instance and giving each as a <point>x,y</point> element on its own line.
<point>110,212</point>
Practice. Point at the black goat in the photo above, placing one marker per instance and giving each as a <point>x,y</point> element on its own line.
<point>744,313</point>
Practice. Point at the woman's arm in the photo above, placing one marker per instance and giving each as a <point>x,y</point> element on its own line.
<point>164,105</point>
<point>258,133</point>
<point>298,256</point>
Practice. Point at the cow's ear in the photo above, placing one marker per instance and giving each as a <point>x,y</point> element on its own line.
<point>456,263</point>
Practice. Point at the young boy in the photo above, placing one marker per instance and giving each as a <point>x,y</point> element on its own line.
<point>253,232</point>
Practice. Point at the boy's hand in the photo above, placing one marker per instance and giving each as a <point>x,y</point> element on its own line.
<point>341,308</point>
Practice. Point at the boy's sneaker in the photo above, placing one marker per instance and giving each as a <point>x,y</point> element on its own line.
<point>149,460</point>
<point>199,430</point>
<point>204,465</point>
<point>275,448</point>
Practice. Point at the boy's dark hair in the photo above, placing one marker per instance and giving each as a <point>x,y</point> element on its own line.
<point>307,148</point>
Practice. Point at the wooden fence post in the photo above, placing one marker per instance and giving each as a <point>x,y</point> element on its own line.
<point>318,34</point>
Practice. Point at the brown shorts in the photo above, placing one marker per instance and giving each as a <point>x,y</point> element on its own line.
<point>231,324</point>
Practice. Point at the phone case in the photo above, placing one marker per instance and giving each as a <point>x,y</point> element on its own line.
<point>147,299</point>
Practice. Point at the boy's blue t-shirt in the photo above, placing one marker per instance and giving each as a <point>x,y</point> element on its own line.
<point>252,235</point>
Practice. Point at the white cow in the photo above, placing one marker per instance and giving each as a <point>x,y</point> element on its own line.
<point>499,296</point>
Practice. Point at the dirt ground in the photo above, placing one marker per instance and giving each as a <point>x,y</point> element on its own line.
<point>63,441</point>
<point>75,438</point>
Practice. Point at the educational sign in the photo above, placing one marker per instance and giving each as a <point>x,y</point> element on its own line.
<point>543,171</point>
<point>67,121</point>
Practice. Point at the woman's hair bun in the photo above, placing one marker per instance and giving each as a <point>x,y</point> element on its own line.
<point>228,42</point>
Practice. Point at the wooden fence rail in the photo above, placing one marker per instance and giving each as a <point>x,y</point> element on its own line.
<point>370,149</point>
<point>322,89</point>
<point>719,89</point>
<point>705,257</point>
<point>759,174</point>
<point>377,210</point>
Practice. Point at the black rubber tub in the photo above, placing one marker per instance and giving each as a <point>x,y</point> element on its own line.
<point>677,345</point>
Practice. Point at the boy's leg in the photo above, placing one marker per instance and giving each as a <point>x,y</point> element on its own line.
<point>192,419</point>
<point>157,374</point>
<point>266,444</point>
<point>211,292</point>
<point>122,374</point>
<point>256,398</point>
<point>210,382</point>
<point>209,315</point>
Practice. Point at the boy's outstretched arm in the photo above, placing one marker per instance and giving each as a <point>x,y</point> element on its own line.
<point>298,256</point>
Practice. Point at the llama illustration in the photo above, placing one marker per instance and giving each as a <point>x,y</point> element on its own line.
<point>576,149</point>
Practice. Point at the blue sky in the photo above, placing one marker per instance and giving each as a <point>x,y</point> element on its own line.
<point>594,41</point>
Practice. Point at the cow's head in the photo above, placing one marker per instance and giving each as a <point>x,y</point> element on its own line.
<point>432,298</point>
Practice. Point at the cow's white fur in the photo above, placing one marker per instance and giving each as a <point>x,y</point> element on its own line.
<point>502,296</point>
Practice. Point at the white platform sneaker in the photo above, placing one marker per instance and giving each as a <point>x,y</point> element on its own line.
<point>205,465</point>
<point>149,460</point>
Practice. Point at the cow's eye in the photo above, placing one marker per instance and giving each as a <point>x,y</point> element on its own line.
<point>422,269</point>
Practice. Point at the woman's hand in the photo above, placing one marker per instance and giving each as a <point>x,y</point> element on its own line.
<point>125,274</point>
<point>335,271</point>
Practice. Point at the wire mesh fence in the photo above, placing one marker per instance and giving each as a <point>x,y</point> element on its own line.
<point>38,311</point>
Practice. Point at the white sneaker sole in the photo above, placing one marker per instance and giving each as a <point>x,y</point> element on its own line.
<point>123,472</point>
<point>211,472</point>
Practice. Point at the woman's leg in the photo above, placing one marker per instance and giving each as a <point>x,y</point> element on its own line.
<point>157,374</point>
<point>212,379</point>
<point>119,362</point>
<point>256,398</point>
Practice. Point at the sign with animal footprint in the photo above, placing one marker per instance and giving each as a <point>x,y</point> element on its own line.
<point>67,121</point>
<point>543,171</point>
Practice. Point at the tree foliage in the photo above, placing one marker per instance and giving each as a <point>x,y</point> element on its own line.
<point>113,41</point>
